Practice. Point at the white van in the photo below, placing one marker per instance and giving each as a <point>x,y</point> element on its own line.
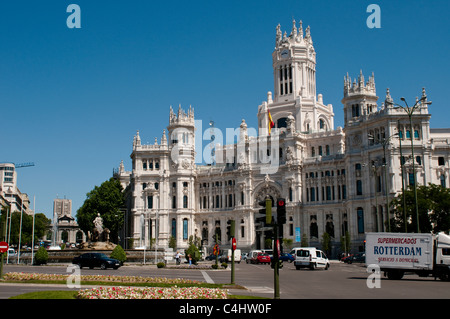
<point>227,257</point>
<point>252,255</point>
<point>310,257</point>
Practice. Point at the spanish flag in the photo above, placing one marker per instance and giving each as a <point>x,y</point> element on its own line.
<point>271,123</point>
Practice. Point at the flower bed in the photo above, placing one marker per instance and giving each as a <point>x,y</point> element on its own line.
<point>152,293</point>
<point>16,276</point>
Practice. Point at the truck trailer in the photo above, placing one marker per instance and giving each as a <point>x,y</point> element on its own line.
<point>398,253</point>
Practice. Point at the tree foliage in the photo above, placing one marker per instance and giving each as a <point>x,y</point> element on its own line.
<point>41,224</point>
<point>433,203</point>
<point>107,200</point>
<point>119,254</point>
<point>41,256</point>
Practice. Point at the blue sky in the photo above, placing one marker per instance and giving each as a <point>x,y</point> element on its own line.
<point>72,99</point>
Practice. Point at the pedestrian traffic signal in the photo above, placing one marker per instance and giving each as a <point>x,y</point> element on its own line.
<point>281,211</point>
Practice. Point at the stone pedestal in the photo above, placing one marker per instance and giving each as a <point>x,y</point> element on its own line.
<point>98,245</point>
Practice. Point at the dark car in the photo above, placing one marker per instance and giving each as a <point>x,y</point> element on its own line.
<point>287,257</point>
<point>356,258</point>
<point>211,257</point>
<point>92,260</point>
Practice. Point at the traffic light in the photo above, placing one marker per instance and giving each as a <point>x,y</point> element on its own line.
<point>281,211</point>
<point>231,229</point>
<point>265,214</point>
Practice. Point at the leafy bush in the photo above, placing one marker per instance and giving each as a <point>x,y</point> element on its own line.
<point>119,254</point>
<point>224,265</point>
<point>160,265</point>
<point>41,256</point>
<point>194,252</point>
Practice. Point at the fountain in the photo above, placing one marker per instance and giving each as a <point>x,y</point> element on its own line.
<point>54,245</point>
<point>99,238</point>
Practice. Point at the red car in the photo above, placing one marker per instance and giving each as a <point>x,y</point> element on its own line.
<point>263,258</point>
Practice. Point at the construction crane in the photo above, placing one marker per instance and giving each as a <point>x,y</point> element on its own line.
<point>23,164</point>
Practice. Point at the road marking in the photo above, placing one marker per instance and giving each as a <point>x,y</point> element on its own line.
<point>207,278</point>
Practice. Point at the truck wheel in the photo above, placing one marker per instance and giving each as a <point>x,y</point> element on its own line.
<point>395,274</point>
<point>444,276</point>
<point>297,267</point>
<point>312,266</point>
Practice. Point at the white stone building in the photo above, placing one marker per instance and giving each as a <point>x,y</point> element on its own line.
<point>333,179</point>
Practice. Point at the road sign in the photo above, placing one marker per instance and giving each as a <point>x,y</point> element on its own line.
<point>234,243</point>
<point>3,247</point>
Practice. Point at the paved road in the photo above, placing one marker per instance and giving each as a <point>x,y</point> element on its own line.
<point>341,281</point>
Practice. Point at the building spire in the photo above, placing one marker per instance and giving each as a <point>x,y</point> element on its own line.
<point>300,30</point>
<point>294,29</point>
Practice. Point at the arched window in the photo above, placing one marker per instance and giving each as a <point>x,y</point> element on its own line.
<point>282,122</point>
<point>322,125</point>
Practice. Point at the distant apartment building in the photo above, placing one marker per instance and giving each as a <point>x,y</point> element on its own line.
<point>10,195</point>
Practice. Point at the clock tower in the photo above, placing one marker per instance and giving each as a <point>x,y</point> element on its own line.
<point>294,64</point>
<point>294,74</point>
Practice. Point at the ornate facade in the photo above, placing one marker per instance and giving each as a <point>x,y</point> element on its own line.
<point>333,179</point>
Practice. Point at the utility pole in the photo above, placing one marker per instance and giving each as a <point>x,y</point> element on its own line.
<point>232,224</point>
<point>276,264</point>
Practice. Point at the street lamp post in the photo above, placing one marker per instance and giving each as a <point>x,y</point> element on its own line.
<point>385,142</point>
<point>410,111</point>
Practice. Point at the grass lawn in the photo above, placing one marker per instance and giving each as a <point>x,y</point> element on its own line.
<point>56,294</point>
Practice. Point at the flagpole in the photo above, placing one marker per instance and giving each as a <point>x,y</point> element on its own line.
<point>32,236</point>
<point>20,231</point>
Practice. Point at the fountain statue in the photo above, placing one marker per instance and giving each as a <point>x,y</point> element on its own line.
<point>99,238</point>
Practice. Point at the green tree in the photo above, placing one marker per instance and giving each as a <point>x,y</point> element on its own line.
<point>172,242</point>
<point>41,224</point>
<point>326,243</point>
<point>194,253</point>
<point>433,203</point>
<point>107,200</point>
<point>304,242</point>
<point>345,242</point>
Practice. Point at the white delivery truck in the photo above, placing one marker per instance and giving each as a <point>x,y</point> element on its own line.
<point>397,253</point>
